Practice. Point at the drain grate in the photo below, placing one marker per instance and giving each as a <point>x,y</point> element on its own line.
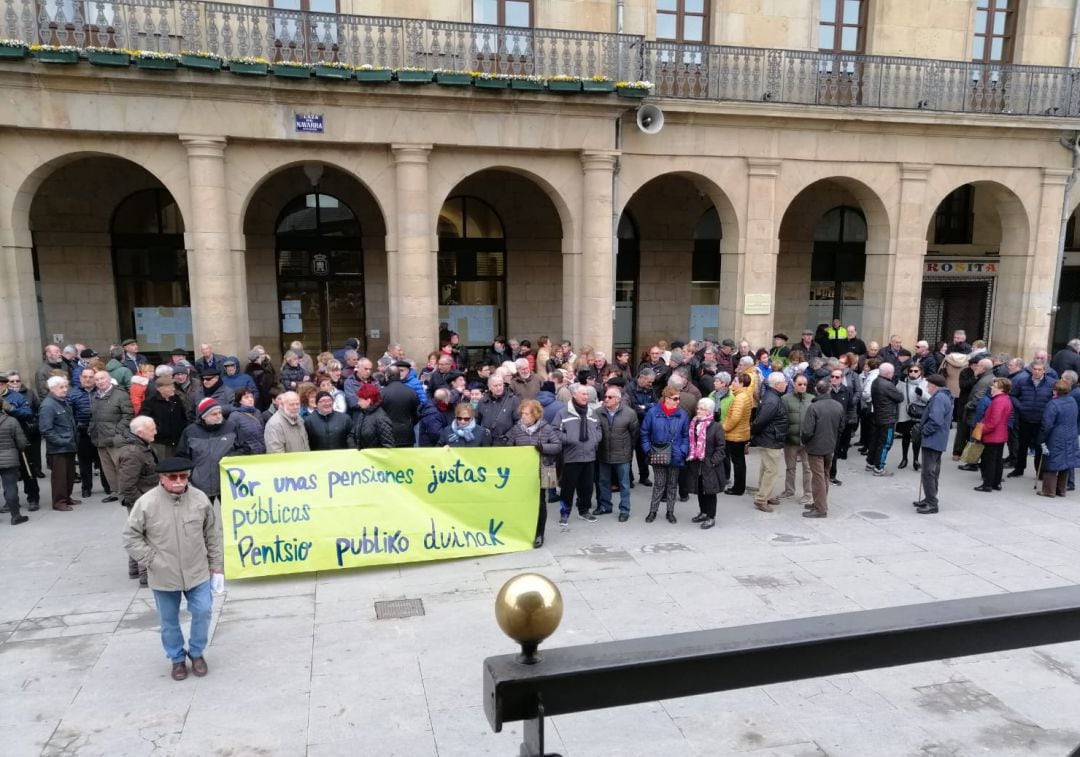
<point>399,608</point>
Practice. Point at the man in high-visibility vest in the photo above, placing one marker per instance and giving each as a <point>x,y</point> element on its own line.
<point>836,337</point>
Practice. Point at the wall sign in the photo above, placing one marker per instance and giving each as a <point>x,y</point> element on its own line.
<point>311,123</point>
<point>959,267</point>
<point>757,304</point>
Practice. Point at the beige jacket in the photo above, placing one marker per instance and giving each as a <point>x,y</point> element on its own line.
<point>284,435</point>
<point>176,537</point>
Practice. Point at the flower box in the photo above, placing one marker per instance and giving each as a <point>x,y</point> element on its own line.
<point>12,52</point>
<point>249,69</point>
<point>57,56</point>
<point>415,77</point>
<point>333,72</point>
<point>454,78</point>
<point>292,72</point>
<point>156,64</point>
<point>200,62</point>
<point>374,75</point>
<point>564,86</point>
<point>634,92</point>
<point>491,83</point>
<point>108,58</point>
<point>588,85</point>
<point>527,84</point>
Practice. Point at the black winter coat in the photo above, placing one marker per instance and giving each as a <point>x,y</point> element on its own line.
<point>373,428</point>
<point>12,442</point>
<point>401,405</point>
<point>769,428</point>
<point>169,415</point>
<point>710,471</point>
<point>498,416</point>
<point>331,431</point>
<point>205,447</point>
<point>250,434</point>
<point>886,399</point>
<point>619,438</point>
<point>111,414</point>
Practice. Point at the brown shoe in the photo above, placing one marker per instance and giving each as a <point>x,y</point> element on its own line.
<point>765,507</point>
<point>179,671</point>
<point>61,506</point>
<point>774,501</point>
<point>198,666</point>
<point>74,501</point>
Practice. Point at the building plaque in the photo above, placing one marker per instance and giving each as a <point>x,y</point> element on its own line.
<point>757,304</point>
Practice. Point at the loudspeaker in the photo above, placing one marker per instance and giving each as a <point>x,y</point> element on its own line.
<point>650,119</point>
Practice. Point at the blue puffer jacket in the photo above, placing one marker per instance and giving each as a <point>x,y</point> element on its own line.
<point>1058,433</point>
<point>659,428</point>
<point>1030,399</point>
<point>432,422</point>
<point>80,402</point>
<point>238,380</point>
<point>936,421</point>
<point>413,382</point>
<point>20,408</point>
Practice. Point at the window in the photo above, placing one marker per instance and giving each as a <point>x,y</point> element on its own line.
<point>503,12</point>
<point>954,220</point>
<point>842,26</point>
<point>295,30</point>
<point>682,21</point>
<point>995,25</point>
<point>512,49</point>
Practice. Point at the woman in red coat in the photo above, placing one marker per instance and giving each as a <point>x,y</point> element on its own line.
<point>995,434</point>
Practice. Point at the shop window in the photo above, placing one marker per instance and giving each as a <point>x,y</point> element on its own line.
<point>150,272</point>
<point>954,221</point>
<point>472,270</point>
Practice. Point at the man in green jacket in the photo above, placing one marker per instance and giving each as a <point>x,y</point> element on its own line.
<point>172,532</point>
<point>796,403</point>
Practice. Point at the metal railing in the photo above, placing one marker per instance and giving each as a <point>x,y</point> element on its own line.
<point>529,687</point>
<point>704,72</point>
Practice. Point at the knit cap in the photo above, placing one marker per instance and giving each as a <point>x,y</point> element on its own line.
<point>207,405</point>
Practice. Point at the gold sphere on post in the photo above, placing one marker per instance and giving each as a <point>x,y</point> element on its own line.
<point>528,610</point>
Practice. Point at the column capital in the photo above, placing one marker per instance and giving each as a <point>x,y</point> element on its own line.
<point>915,171</point>
<point>599,160</point>
<point>769,167</point>
<point>408,153</point>
<point>203,147</point>
<point>1055,176</point>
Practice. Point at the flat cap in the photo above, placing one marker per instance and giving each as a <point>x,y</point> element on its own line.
<point>174,465</point>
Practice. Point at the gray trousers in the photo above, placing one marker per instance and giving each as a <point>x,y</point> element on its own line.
<point>931,470</point>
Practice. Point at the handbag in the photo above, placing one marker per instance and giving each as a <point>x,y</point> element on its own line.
<point>549,477</point>
<point>977,432</point>
<point>972,452</point>
<point>915,412</point>
<point>660,454</point>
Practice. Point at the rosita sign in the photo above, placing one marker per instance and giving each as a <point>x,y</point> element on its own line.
<point>957,267</point>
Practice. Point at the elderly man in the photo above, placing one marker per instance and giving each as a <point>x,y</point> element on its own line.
<point>935,422</point>
<point>580,431</point>
<point>110,412</point>
<point>984,375</point>
<point>885,398</point>
<point>960,342</point>
<point>440,377</point>
<point>285,431</point>
<point>925,358</point>
<point>54,361</point>
<point>1067,358</point>
<point>170,415</point>
<point>326,428</point>
<point>498,411</point>
<point>209,360</point>
<point>768,431</point>
<point>173,533</point>
<point>526,384</point>
<point>400,404</point>
<point>80,398</point>
<point>60,431</point>
<point>619,431</point>
<point>135,471</point>
<point>361,375</point>
<point>1031,392</point>
<point>891,352</point>
<point>820,432</point>
<point>796,405</point>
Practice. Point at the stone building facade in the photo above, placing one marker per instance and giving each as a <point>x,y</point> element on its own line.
<point>790,182</point>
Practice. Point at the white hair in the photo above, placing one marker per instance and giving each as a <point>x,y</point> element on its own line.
<point>163,370</point>
<point>886,370</point>
<point>777,379</point>
<point>746,360</point>
<point>140,422</point>
<point>509,367</point>
<point>55,381</point>
<point>521,363</point>
<point>706,403</point>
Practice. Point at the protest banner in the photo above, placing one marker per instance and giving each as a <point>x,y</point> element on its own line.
<point>293,513</point>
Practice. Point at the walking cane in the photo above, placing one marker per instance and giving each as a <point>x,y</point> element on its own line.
<point>1038,472</point>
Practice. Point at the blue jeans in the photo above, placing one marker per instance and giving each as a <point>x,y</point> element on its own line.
<point>199,601</point>
<point>622,474</point>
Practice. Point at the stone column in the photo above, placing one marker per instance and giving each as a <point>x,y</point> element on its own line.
<point>412,276</point>
<point>1024,295</point>
<point>216,275</point>
<point>749,276</point>
<point>20,339</point>
<point>892,292</point>
<point>596,293</point>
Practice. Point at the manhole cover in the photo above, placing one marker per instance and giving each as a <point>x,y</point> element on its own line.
<point>788,538</point>
<point>873,515</point>
<point>399,608</point>
<point>666,547</point>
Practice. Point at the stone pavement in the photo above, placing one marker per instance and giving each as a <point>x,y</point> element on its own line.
<point>300,666</point>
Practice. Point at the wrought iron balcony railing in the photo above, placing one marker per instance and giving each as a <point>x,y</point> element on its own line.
<point>703,72</point>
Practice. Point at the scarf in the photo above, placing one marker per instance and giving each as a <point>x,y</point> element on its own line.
<point>530,430</point>
<point>698,429</point>
<point>442,406</point>
<point>463,433</point>
<point>583,414</point>
<point>668,411</point>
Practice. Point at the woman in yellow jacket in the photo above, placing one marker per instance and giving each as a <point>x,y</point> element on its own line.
<point>737,430</point>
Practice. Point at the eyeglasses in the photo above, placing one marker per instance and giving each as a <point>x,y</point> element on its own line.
<point>464,417</point>
<point>208,378</point>
<point>176,476</point>
<point>800,383</point>
<point>914,372</point>
<point>611,397</point>
<point>837,375</point>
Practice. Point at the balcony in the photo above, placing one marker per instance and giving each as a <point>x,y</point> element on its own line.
<point>698,72</point>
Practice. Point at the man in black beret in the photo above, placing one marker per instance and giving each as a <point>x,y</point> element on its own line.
<point>179,560</point>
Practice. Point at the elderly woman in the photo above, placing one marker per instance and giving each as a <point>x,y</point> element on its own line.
<point>372,427</point>
<point>664,439</point>
<point>1058,435</point>
<point>705,461</point>
<point>293,372</point>
<point>995,433</point>
<point>307,391</point>
<point>916,395</point>
<point>533,431</point>
<point>737,430</point>
<point>465,431</point>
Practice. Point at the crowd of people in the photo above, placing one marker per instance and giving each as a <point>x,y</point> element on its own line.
<point>680,419</point>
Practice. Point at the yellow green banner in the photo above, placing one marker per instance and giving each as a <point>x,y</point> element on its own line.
<point>293,513</point>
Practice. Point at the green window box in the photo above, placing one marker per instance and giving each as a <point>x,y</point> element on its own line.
<point>564,86</point>
<point>249,69</point>
<point>598,86</point>
<point>374,75</point>
<point>492,83</point>
<point>292,72</point>
<point>333,72</point>
<point>200,63</point>
<point>454,79</point>
<point>108,58</point>
<point>631,92</point>
<point>12,52</point>
<point>57,56</point>
<point>157,64</point>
